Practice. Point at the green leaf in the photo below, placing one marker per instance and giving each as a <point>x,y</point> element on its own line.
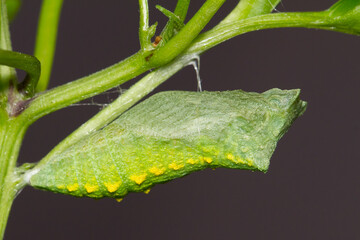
<point>13,7</point>
<point>169,136</point>
<point>345,16</point>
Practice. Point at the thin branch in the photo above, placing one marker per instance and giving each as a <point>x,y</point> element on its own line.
<point>7,74</point>
<point>144,24</point>
<point>250,8</point>
<point>85,87</point>
<point>223,32</point>
<point>28,63</point>
<point>13,7</point>
<point>46,39</point>
<point>181,10</point>
<point>133,66</point>
<point>178,23</point>
<point>188,33</point>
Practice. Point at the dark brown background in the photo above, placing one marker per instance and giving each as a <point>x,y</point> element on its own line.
<point>312,190</point>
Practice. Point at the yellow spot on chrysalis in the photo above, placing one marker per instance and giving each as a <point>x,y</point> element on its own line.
<point>119,199</point>
<point>175,166</point>
<point>191,161</point>
<point>157,171</point>
<point>240,161</point>
<point>139,179</point>
<point>112,187</point>
<point>61,186</point>
<point>207,159</point>
<point>147,191</point>
<point>250,162</point>
<point>91,188</point>
<point>72,187</point>
<point>230,157</point>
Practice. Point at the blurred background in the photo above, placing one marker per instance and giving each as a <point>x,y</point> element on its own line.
<point>312,188</point>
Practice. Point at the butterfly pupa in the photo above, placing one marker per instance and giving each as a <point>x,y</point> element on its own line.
<point>170,135</point>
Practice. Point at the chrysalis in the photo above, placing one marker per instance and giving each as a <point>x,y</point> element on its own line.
<point>170,135</point>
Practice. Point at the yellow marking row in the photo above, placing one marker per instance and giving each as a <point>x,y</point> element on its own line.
<point>72,187</point>
<point>176,166</point>
<point>157,171</point>
<point>112,187</point>
<point>248,162</point>
<point>206,159</point>
<point>230,157</point>
<point>91,188</point>
<point>61,187</point>
<point>191,161</point>
<point>241,161</point>
<point>139,179</point>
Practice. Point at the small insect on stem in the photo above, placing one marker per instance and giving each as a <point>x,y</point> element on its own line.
<point>157,41</point>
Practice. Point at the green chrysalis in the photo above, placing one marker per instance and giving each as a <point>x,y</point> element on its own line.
<point>170,135</point>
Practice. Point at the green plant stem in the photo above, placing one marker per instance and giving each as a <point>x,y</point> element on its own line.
<point>12,133</point>
<point>178,23</point>
<point>144,24</point>
<point>5,42</point>
<point>181,10</point>
<point>86,87</point>
<point>223,32</point>
<point>250,8</point>
<point>121,104</point>
<point>13,7</point>
<point>183,39</point>
<point>46,39</point>
<point>7,74</point>
<point>7,197</point>
<point>133,66</point>
<point>28,63</point>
